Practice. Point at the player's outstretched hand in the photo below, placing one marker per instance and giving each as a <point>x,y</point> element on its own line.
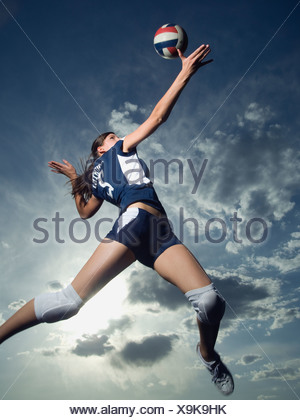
<point>194,61</point>
<point>63,168</point>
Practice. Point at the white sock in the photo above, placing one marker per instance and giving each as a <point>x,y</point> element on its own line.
<point>207,364</point>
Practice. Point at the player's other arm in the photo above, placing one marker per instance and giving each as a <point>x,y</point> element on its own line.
<point>164,107</point>
<point>85,208</point>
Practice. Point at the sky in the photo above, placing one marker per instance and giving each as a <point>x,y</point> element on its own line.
<point>230,185</point>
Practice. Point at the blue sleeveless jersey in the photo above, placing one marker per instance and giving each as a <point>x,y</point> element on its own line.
<point>123,178</point>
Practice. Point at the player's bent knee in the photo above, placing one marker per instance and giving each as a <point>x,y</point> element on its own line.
<point>53,307</point>
<point>208,304</point>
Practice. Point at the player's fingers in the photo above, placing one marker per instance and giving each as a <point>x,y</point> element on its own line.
<point>58,164</point>
<point>180,54</point>
<point>203,53</point>
<point>57,168</point>
<point>53,166</point>
<point>198,51</point>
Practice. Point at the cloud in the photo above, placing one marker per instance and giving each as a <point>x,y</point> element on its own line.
<point>257,299</point>
<point>249,359</point>
<point>245,297</point>
<point>117,325</point>
<point>149,351</point>
<point>147,287</point>
<point>92,345</point>
<point>5,245</point>
<point>285,258</point>
<point>17,304</point>
<point>130,107</point>
<point>267,397</point>
<point>257,114</point>
<point>50,352</point>
<point>252,169</point>
<point>284,316</point>
<point>289,372</point>
<point>262,300</point>
<point>233,248</point>
<point>121,120</point>
<point>55,285</point>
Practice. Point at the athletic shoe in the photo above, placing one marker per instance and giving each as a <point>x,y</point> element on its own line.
<point>221,376</point>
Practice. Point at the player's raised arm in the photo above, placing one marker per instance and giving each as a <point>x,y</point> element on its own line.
<point>163,108</point>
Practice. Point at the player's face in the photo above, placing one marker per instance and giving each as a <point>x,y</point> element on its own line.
<point>108,143</point>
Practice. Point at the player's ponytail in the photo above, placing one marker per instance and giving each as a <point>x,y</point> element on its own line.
<point>83,183</point>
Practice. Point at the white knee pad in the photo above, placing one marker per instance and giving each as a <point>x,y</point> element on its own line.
<point>208,303</point>
<point>53,307</point>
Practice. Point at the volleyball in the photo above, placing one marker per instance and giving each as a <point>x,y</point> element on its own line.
<point>168,38</point>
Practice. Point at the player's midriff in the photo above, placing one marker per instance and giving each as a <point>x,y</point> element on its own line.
<point>146,207</point>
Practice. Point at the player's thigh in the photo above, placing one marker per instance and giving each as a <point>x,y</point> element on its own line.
<point>178,265</point>
<point>109,259</point>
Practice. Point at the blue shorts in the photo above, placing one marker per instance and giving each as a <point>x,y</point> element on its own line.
<point>147,236</point>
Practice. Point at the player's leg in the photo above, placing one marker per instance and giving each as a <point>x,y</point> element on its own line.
<point>108,260</point>
<point>208,337</point>
<point>178,266</point>
<point>24,318</point>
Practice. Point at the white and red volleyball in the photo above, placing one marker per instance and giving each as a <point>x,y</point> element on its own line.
<point>168,38</point>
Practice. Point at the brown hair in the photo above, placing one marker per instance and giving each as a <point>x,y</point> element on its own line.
<point>83,183</point>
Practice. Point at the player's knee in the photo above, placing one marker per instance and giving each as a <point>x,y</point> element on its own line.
<point>208,304</point>
<point>53,307</point>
